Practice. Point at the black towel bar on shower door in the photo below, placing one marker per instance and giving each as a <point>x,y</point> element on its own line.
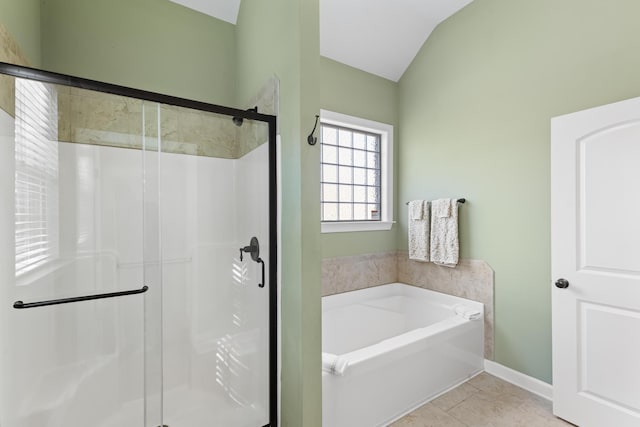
<point>20,304</point>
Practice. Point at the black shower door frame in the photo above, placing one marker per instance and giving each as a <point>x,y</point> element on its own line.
<point>82,83</point>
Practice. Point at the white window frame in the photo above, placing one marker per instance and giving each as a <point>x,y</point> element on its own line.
<point>386,173</point>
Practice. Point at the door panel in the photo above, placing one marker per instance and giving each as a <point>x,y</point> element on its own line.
<point>596,248</point>
<point>598,381</point>
<point>608,209</point>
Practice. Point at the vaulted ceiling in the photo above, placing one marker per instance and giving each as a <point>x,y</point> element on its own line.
<point>378,36</point>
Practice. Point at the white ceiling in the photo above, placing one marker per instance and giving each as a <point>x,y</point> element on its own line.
<point>226,10</point>
<point>378,36</point>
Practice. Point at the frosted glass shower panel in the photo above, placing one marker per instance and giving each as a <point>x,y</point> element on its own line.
<point>215,317</point>
<point>70,224</point>
<point>123,297</point>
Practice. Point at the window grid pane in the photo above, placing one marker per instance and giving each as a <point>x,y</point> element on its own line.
<point>350,174</point>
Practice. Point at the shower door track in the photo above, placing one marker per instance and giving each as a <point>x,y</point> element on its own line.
<point>250,114</point>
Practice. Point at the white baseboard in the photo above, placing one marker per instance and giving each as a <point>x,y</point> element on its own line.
<point>524,381</point>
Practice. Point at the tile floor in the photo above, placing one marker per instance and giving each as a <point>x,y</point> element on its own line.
<point>484,401</point>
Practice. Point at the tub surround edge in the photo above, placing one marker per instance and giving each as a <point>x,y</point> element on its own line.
<point>471,279</point>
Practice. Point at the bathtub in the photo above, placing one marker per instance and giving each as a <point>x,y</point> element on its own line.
<point>389,349</point>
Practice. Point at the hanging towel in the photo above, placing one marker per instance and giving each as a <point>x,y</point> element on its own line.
<point>416,209</point>
<point>444,232</point>
<point>419,223</point>
<point>441,209</point>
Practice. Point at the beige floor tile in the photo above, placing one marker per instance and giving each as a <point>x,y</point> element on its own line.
<point>428,415</point>
<point>455,396</point>
<point>483,410</point>
<point>496,386</point>
<point>488,409</point>
<point>484,401</point>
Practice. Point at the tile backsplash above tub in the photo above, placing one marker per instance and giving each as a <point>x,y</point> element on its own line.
<point>349,273</point>
<point>472,279</point>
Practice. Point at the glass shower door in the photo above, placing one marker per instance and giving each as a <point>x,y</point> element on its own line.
<point>214,197</point>
<point>72,274</point>
<point>136,269</point>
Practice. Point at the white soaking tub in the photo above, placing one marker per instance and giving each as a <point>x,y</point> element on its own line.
<point>391,348</point>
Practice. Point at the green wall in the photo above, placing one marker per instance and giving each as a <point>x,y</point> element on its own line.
<point>347,90</point>
<point>471,113</point>
<point>154,45</point>
<point>22,19</point>
<point>475,106</point>
<point>281,37</point>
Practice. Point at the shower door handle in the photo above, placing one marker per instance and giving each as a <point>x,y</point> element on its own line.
<point>254,250</point>
<point>20,304</point>
<point>261,284</point>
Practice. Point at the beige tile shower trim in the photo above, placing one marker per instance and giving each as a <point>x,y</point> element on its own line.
<point>89,117</point>
<point>11,53</point>
<point>253,134</point>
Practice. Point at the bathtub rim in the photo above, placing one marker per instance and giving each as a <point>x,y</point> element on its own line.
<point>393,289</point>
<point>358,357</point>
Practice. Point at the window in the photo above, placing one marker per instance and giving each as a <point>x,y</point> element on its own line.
<point>36,175</point>
<point>356,157</point>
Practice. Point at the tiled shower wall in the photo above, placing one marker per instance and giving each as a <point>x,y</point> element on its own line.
<point>96,118</point>
<point>10,53</point>
<point>471,279</point>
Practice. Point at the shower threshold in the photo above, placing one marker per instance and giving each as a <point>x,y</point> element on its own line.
<point>184,407</point>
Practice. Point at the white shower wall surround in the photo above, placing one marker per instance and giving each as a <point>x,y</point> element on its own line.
<point>83,364</point>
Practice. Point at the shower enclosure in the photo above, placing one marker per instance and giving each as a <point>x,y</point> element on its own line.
<point>137,258</point>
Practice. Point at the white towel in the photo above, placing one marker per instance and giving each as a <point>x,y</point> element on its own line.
<point>419,230</point>
<point>416,209</point>
<point>333,364</point>
<point>467,313</point>
<point>441,210</point>
<point>444,232</point>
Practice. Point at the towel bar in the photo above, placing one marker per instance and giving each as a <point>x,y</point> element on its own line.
<point>459,201</point>
<point>20,304</point>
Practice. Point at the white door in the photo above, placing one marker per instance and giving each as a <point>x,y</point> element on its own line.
<point>595,223</point>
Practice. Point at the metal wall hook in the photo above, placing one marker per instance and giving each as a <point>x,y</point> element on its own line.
<point>312,139</point>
